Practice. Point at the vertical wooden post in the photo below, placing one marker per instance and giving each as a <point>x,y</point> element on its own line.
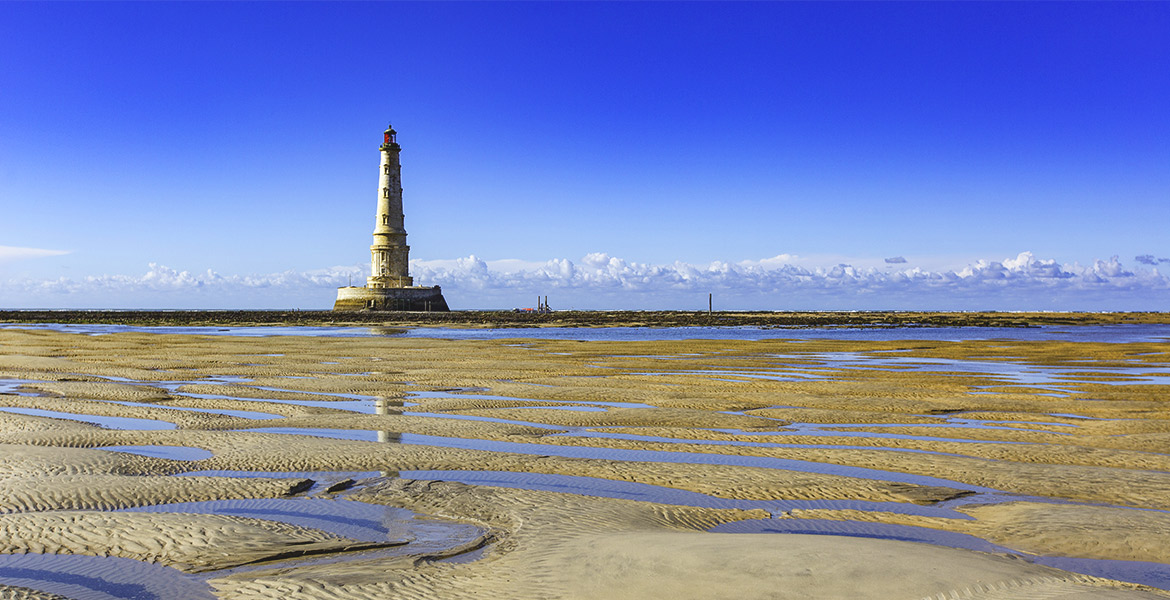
<point>708,304</point>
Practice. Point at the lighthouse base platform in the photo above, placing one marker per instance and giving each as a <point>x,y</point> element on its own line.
<point>414,298</point>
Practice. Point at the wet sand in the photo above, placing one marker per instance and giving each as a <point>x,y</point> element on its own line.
<point>594,469</point>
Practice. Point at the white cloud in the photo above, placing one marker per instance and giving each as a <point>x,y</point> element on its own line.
<point>600,280</point>
<point>15,253</point>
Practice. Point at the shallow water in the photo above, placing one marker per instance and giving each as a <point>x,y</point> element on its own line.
<point>443,394</point>
<point>121,423</point>
<point>827,430</point>
<point>1145,573</point>
<point>885,531</point>
<point>628,490</point>
<point>568,408</point>
<point>168,452</point>
<point>622,454</point>
<point>110,578</point>
<point>829,365</point>
<point>243,414</point>
<point>624,490</point>
<point>1086,333</point>
<point>12,386</point>
<point>743,444</point>
<point>1018,373</point>
<point>730,375</point>
<point>345,518</point>
<point>368,407</point>
<point>100,578</point>
<point>1155,575</point>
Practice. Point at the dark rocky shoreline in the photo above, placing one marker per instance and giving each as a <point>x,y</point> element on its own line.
<point>576,318</point>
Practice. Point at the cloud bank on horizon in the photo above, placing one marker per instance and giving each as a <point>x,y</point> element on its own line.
<point>601,281</point>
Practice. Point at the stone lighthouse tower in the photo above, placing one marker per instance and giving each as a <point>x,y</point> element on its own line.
<point>389,252</point>
<point>390,286</point>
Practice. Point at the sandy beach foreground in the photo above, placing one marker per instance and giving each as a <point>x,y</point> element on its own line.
<point>140,465</point>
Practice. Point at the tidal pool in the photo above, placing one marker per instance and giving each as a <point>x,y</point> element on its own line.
<point>345,518</point>
<point>107,422</point>
<point>168,452</point>
<point>100,578</point>
<point>648,456</point>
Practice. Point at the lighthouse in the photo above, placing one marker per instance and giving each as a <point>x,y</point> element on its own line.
<point>389,254</point>
<point>390,286</point>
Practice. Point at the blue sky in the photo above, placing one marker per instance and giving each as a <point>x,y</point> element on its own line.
<point>976,155</point>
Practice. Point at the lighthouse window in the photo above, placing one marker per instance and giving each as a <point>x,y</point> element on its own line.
<point>385,192</point>
<point>385,219</point>
<point>386,169</point>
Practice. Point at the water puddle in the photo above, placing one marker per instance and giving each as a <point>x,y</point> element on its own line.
<point>369,407</point>
<point>621,454</point>
<point>1048,377</point>
<point>949,422</point>
<point>820,366</point>
<point>243,414</point>
<point>1155,575</point>
<point>446,394</point>
<point>12,387</point>
<point>724,375</point>
<point>168,452</point>
<point>826,430</point>
<point>569,408</point>
<point>360,435</point>
<point>345,518</point>
<point>330,394</point>
<point>1145,573</point>
<point>609,488</point>
<point>172,385</point>
<point>628,490</point>
<point>100,578</point>
<point>737,443</point>
<point>460,417</point>
<point>1072,416</point>
<point>106,422</point>
<point>884,531</point>
<point>106,578</point>
<point>320,477</point>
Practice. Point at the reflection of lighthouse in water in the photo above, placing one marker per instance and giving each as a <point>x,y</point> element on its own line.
<point>383,406</point>
<point>388,406</point>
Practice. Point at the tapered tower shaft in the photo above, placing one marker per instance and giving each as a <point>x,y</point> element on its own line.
<point>389,254</point>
